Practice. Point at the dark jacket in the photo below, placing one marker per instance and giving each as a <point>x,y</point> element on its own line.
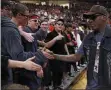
<point>104,73</point>
<point>11,46</point>
<point>11,42</point>
<point>4,70</point>
<point>33,46</point>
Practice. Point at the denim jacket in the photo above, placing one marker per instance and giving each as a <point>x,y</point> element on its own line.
<point>89,47</point>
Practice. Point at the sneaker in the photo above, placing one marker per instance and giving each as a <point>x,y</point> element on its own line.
<point>47,88</point>
<point>78,67</point>
<point>72,75</point>
<point>64,81</point>
<point>83,65</point>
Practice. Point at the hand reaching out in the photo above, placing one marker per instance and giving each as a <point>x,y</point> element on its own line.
<point>30,65</point>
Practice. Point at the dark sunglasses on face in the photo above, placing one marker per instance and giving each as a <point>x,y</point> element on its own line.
<point>93,17</point>
<point>25,15</point>
<point>35,21</point>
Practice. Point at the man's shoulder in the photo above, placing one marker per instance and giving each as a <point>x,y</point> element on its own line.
<point>107,31</point>
<point>7,25</point>
<point>6,22</point>
<point>10,31</point>
<point>89,35</point>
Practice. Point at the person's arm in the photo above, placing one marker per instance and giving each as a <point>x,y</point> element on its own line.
<point>15,49</point>
<point>52,42</point>
<point>72,57</point>
<point>66,49</point>
<point>69,58</point>
<point>15,63</point>
<point>28,64</point>
<point>42,43</point>
<point>27,36</point>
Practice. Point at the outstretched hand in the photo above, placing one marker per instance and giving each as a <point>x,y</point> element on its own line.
<point>30,65</point>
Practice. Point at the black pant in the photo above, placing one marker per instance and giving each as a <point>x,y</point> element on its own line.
<point>47,76</point>
<point>74,66</point>
<point>57,78</point>
<point>56,68</point>
<point>28,78</point>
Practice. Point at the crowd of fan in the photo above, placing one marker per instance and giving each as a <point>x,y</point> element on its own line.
<point>42,30</point>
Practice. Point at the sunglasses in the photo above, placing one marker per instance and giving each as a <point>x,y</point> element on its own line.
<point>35,21</point>
<point>25,15</point>
<point>92,17</point>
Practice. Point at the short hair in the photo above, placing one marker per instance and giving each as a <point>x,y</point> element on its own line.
<point>5,3</point>
<point>67,25</point>
<point>59,20</point>
<point>19,8</point>
<point>43,21</point>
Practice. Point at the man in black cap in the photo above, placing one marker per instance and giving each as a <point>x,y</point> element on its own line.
<point>97,49</point>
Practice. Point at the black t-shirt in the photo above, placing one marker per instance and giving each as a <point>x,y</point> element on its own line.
<point>58,47</point>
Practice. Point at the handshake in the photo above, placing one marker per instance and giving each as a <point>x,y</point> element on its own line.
<point>48,51</point>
